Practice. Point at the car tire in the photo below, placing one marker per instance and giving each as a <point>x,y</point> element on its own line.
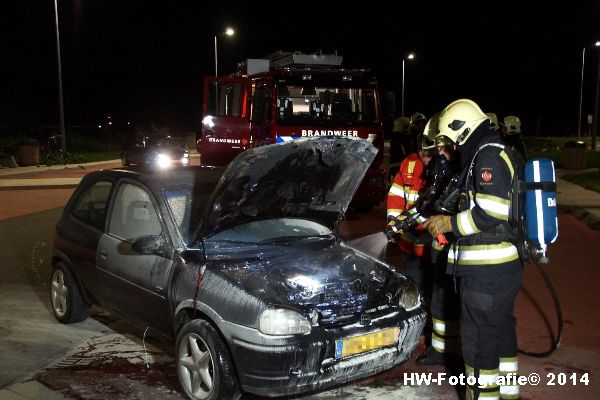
<point>124,159</point>
<point>68,305</point>
<point>204,366</point>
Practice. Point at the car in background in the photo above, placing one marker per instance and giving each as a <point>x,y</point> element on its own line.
<point>155,152</point>
<point>243,268</point>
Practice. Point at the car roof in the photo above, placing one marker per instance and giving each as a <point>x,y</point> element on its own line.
<point>159,179</point>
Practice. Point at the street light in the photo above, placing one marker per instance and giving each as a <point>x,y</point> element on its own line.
<point>229,32</point>
<point>60,91</point>
<point>597,44</point>
<point>410,56</point>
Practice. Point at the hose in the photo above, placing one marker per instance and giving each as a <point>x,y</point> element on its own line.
<point>559,316</point>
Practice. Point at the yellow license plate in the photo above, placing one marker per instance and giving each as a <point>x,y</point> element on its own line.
<point>362,344</point>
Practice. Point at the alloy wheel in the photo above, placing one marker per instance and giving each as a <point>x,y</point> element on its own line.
<point>59,293</point>
<point>196,366</point>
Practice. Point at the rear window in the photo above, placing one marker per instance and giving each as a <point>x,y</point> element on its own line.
<point>90,206</point>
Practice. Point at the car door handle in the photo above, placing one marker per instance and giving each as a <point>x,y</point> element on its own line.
<point>103,254</point>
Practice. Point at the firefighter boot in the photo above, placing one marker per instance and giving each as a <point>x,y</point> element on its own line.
<point>431,357</point>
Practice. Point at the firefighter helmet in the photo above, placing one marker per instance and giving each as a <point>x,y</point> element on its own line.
<point>513,124</point>
<point>428,138</point>
<point>459,119</point>
<point>493,120</point>
<point>401,125</point>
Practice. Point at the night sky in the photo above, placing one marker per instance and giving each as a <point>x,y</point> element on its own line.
<point>144,60</point>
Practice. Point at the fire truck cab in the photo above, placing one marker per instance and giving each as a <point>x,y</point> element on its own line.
<point>289,96</point>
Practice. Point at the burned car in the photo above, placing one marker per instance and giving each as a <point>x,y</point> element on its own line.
<point>242,267</point>
<point>155,152</point>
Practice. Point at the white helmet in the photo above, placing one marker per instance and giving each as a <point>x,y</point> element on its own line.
<point>513,124</point>
<point>459,119</point>
<point>401,125</point>
<point>493,120</point>
<point>428,138</point>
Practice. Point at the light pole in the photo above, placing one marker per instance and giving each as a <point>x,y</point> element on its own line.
<point>597,44</point>
<point>229,32</point>
<point>410,56</point>
<point>595,120</point>
<point>60,91</point>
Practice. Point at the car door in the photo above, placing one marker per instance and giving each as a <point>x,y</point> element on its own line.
<point>79,231</point>
<point>134,284</point>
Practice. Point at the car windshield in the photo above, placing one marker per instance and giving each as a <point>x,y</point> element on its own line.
<point>272,231</point>
<point>324,106</point>
<point>186,207</point>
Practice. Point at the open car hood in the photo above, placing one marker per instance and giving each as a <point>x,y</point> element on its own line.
<point>312,179</point>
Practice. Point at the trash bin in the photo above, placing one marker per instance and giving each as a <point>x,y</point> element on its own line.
<point>29,152</point>
<point>574,155</point>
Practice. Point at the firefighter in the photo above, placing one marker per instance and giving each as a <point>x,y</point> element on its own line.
<point>512,134</point>
<point>408,184</point>
<point>444,306</point>
<point>483,260</point>
<point>493,121</point>
<point>417,126</point>
<point>400,145</point>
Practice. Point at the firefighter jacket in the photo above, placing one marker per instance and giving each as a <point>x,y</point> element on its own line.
<point>403,195</point>
<point>481,228</point>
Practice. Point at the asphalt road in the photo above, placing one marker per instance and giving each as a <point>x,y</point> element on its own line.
<point>105,357</point>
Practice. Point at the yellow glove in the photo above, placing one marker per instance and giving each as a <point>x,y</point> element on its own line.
<point>438,224</point>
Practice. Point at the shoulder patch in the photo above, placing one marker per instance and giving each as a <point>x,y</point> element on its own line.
<point>487,176</point>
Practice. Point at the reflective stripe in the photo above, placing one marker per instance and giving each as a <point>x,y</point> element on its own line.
<point>491,396</point>
<point>466,225</point>
<point>493,206</point>
<point>508,365</point>
<point>409,195</point>
<point>438,344</point>
<point>510,392</point>
<point>394,212</point>
<point>446,328</point>
<point>508,163</point>
<point>486,254</point>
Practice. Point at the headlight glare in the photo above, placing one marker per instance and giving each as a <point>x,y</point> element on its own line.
<point>410,298</point>
<point>163,160</point>
<point>279,321</point>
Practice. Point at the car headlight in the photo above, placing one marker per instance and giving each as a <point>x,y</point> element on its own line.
<point>185,160</point>
<point>163,160</point>
<point>411,298</point>
<point>279,321</point>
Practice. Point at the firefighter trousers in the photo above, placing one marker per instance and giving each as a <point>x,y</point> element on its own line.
<point>445,306</point>
<point>488,330</point>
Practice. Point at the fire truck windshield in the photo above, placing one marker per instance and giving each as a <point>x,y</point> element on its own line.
<point>326,106</point>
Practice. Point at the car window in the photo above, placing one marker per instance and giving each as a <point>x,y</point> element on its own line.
<point>90,206</point>
<point>133,214</point>
<point>186,208</point>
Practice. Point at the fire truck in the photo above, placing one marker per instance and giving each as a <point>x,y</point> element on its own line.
<point>288,96</point>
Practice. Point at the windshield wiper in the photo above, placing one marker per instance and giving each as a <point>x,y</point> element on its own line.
<point>293,238</point>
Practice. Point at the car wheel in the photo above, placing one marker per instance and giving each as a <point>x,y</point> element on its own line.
<point>204,366</point>
<point>67,302</point>
<point>124,160</point>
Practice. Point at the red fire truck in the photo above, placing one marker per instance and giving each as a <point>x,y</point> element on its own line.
<point>289,96</point>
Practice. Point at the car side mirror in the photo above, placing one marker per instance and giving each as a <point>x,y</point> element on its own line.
<point>152,245</point>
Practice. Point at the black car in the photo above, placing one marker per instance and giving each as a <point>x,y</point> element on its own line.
<point>242,267</point>
<point>155,152</point>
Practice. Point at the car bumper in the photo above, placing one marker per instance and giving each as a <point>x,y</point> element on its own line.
<point>293,365</point>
